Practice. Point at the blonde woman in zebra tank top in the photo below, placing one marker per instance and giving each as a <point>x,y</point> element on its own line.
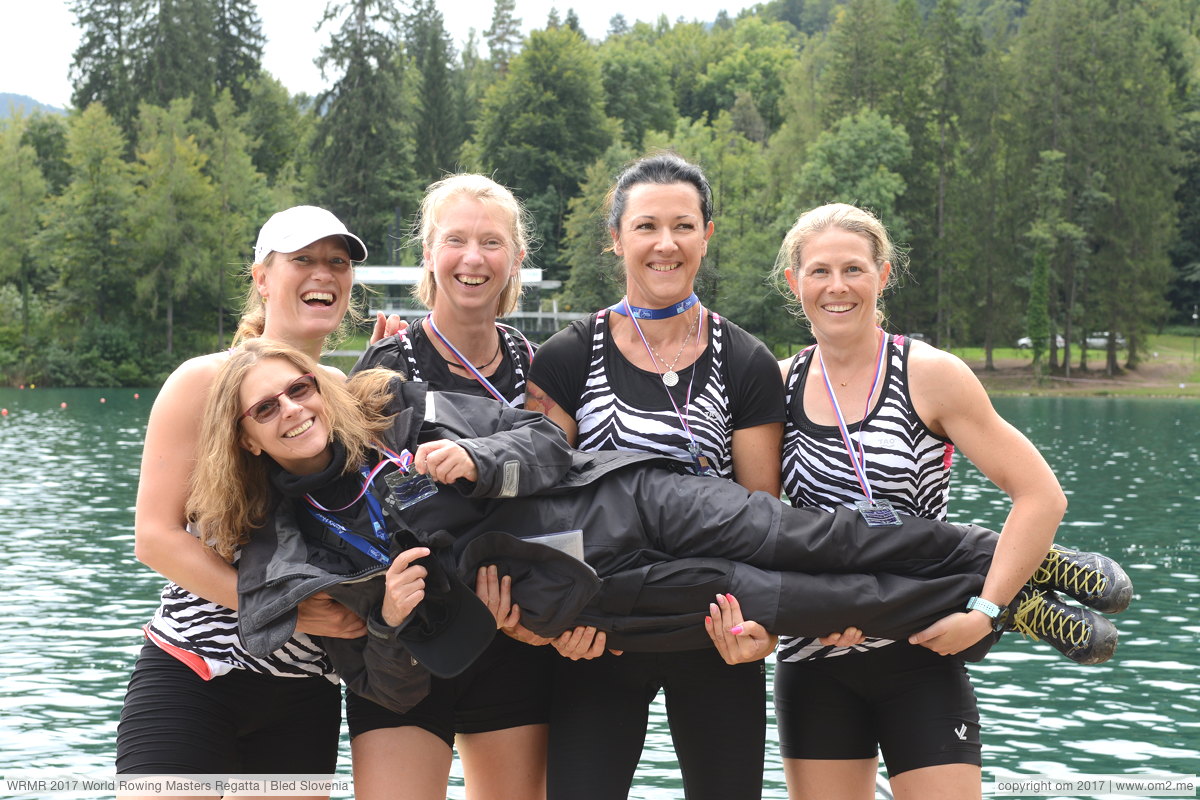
<point>875,417</point>
<point>197,702</point>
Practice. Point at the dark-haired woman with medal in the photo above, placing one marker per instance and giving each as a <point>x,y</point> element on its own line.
<point>657,372</point>
<point>474,235</point>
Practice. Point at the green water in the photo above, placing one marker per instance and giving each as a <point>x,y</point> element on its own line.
<point>72,597</point>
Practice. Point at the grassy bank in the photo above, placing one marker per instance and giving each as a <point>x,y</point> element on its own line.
<point>1169,369</point>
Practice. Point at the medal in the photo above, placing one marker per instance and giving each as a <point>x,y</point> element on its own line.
<point>878,513</point>
<point>670,377</point>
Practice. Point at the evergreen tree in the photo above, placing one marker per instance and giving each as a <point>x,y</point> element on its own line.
<point>572,22</point>
<point>86,241</point>
<point>173,217</point>
<point>237,42</point>
<point>542,125</point>
<point>278,129</point>
<point>23,196</point>
<point>362,147</point>
<point>47,135</point>
<point>637,89</point>
<point>594,281</point>
<point>174,56</point>
<point>241,198</point>
<point>102,67</point>
<point>438,129</point>
<point>504,35</point>
<point>617,26</point>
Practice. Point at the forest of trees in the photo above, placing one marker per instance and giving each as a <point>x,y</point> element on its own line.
<point>1039,160</point>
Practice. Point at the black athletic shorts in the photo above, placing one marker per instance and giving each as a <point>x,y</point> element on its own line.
<point>918,706</point>
<point>507,687</point>
<point>175,722</point>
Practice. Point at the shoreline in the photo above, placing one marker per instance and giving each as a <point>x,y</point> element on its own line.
<point>1159,375</point>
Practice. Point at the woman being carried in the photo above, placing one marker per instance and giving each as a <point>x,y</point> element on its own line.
<point>333,483</point>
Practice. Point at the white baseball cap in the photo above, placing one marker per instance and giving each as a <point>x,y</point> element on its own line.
<point>288,231</point>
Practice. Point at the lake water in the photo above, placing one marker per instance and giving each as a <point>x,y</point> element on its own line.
<point>72,597</point>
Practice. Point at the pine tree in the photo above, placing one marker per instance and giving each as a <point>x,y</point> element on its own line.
<point>542,125</point>
<point>173,55</point>
<point>86,240</point>
<point>174,217</point>
<point>23,195</point>
<point>102,67</point>
<point>438,125</point>
<point>363,151</point>
<point>237,44</point>
<point>504,35</point>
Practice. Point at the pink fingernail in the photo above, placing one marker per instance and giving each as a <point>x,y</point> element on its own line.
<point>736,629</point>
<point>707,620</point>
<point>729,597</point>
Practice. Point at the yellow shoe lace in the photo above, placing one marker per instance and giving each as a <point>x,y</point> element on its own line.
<point>1076,580</point>
<point>1037,619</point>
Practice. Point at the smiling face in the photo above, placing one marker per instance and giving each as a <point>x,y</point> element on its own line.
<point>661,238</point>
<point>307,291</point>
<point>837,282</point>
<point>472,256</point>
<point>297,436</point>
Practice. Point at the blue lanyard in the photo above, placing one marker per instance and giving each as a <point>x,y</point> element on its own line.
<point>858,460</point>
<point>374,510</point>
<point>637,312</point>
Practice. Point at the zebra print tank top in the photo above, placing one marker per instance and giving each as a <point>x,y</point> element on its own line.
<point>609,422</point>
<point>906,464</point>
<point>509,378</point>
<point>204,636</point>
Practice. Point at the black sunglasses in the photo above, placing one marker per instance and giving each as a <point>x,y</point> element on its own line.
<point>297,391</point>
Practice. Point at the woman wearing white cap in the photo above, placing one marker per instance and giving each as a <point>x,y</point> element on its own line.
<point>197,703</point>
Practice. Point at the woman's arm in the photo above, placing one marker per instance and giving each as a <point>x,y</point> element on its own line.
<point>161,539</point>
<point>952,403</point>
<point>757,458</point>
<point>537,400</point>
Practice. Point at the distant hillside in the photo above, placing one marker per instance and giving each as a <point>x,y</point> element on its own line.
<point>24,104</point>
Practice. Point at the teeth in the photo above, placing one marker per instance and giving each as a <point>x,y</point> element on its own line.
<point>472,280</point>
<point>325,297</point>
<point>664,267</point>
<point>840,307</point>
<point>299,429</point>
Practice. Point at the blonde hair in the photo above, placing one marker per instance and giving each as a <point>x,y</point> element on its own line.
<point>229,490</point>
<point>821,219</point>
<point>487,191</point>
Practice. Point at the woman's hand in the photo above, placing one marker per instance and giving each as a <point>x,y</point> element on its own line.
<point>953,633</point>
<point>583,643</point>
<point>386,326</point>
<point>847,638</point>
<point>405,586</point>
<point>736,639</point>
<point>321,615</point>
<point>445,462</point>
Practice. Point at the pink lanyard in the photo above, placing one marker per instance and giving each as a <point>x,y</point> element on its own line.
<point>468,366</point>
<point>859,461</point>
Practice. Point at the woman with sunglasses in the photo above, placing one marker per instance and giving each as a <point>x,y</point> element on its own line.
<point>474,235</point>
<point>197,702</point>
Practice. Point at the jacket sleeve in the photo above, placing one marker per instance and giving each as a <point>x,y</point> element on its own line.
<point>379,668</point>
<point>516,452</point>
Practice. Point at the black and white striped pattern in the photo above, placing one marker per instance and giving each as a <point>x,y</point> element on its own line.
<point>609,422</point>
<point>518,359</point>
<point>209,631</point>
<point>906,464</point>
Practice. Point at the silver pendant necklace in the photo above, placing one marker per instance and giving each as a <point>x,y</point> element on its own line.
<point>671,377</point>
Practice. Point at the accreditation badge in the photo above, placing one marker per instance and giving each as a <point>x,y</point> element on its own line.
<point>878,513</point>
<point>408,488</point>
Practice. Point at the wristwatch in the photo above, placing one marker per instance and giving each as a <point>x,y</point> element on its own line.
<point>990,610</point>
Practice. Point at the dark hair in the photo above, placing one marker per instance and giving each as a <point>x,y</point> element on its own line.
<point>662,168</point>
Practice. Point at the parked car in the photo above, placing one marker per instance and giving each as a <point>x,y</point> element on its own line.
<point>1024,343</point>
<point>1099,341</point>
